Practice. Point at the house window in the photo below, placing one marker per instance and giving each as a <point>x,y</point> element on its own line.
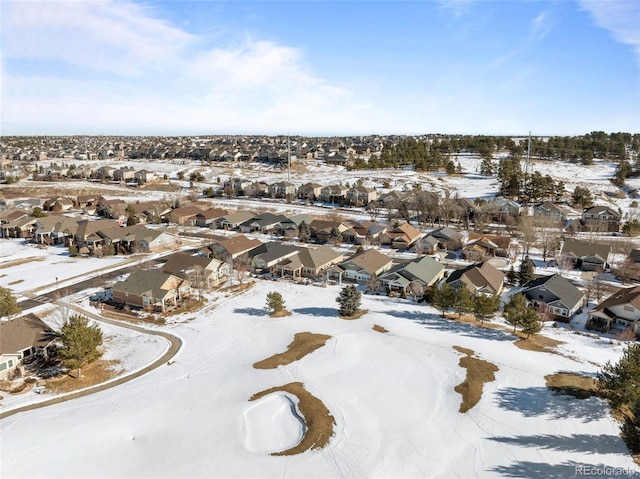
<point>3,366</point>
<point>10,363</point>
<point>628,308</point>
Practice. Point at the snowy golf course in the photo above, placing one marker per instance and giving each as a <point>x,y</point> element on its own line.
<point>391,395</point>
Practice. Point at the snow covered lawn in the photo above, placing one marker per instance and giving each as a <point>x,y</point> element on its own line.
<point>391,394</point>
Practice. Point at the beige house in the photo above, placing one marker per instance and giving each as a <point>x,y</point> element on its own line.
<point>152,290</point>
<point>21,338</point>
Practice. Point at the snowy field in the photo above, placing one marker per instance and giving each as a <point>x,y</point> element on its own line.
<point>391,394</point>
<point>25,268</point>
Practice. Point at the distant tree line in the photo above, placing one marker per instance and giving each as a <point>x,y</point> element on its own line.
<point>435,152</point>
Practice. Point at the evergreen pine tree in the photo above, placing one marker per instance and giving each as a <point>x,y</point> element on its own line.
<point>80,343</point>
<point>514,309</point>
<point>303,232</point>
<point>631,428</point>
<point>525,273</point>
<point>275,302</point>
<point>443,297</point>
<point>463,302</point>
<point>512,276</point>
<point>530,321</point>
<point>484,307</point>
<point>8,303</point>
<point>620,382</point>
<point>349,300</point>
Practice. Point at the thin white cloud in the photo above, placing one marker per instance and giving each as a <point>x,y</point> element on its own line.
<point>620,18</point>
<point>116,37</point>
<point>540,26</point>
<point>157,76</point>
<point>457,8</point>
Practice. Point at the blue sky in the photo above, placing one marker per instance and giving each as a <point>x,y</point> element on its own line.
<point>320,68</point>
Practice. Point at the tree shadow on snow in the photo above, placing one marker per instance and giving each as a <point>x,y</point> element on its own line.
<point>432,321</point>
<point>587,443</point>
<point>552,471</point>
<point>251,311</point>
<point>317,311</point>
<point>540,401</point>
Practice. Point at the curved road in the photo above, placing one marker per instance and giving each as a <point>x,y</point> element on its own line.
<point>174,346</point>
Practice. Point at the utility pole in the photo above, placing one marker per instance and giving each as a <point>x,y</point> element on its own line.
<point>288,159</point>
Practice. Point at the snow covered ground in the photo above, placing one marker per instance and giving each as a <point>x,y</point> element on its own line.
<point>25,267</point>
<point>392,396</point>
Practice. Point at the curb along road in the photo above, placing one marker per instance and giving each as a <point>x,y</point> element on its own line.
<point>175,343</point>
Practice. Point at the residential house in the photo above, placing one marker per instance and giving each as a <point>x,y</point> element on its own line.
<point>144,176</point>
<point>601,218</point>
<point>21,338</point>
<point>310,191</point>
<point>234,247</point>
<point>618,312</point>
<point>282,189</point>
<point>364,232</point>
<point>426,271</point>
<point>234,220</point>
<point>267,256</point>
<point>446,238</point>
<point>401,236</point>
<point>630,269</point>
<point>481,247</point>
<point>557,212</point>
<point>58,203</point>
<point>310,262</point>
<point>200,271</point>
<point>88,200</point>
<point>321,229</point>
<point>151,289</point>
<point>479,278</point>
<point>263,223</point>
<point>23,227</point>
<point>289,226</point>
<point>184,216</point>
<point>555,297</point>
<point>361,195</point>
<point>208,218</point>
<point>86,234</point>
<point>154,240</point>
<point>391,198</point>
<point>362,266</point>
<point>506,208</point>
<point>586,256</point>
<point>334,193</point>
<point>55,230</point>
<point>125,173</point>
<point>336,159</point>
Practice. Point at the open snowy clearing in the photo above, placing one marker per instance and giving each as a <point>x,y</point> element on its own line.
<point>391,394</point>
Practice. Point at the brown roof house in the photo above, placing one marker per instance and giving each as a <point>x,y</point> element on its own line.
<point>235,246</point>
<point>21,338</point>
<point>586,256</point>
<point>481,247</point>
<point>151,290</point>
<point>208,218</point>
<point>618,312</point>
<point>310,262</point>
<point>401,236</point>
<point>362,266</point>
<point>184,216</point>
<point>479,278</point>
<point>601,218</point>
<point>200,271</point>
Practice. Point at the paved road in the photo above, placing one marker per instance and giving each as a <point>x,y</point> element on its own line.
<point>174,346</point>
